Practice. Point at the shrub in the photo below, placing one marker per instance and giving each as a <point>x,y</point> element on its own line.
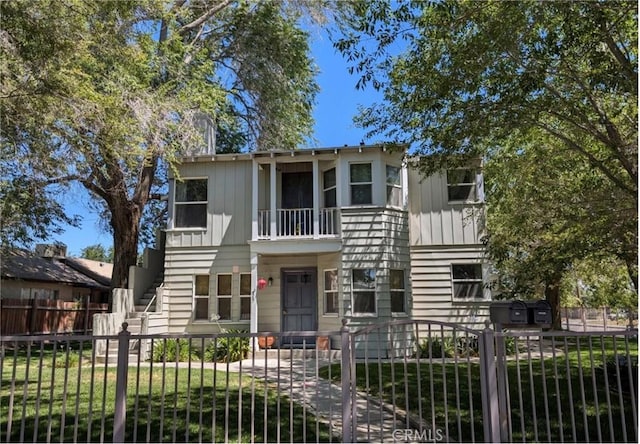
<point>228,349</point>
<point>171,350</point>
<point>447,347</point>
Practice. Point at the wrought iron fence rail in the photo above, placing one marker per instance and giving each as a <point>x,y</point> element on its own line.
<point>402,381</point>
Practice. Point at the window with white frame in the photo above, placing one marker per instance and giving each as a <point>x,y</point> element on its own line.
<point>363,290</point>
<point>245,296</point>
<point>361,183</point>
<point>191,204</point>
<point>397,291</point>
<point>331,292</point>
<point>462,186</point>
<point>329,188</point>
<point>467,281</point>
<point>394,186</point>
<point>223,294</point>
<point>201,297</point>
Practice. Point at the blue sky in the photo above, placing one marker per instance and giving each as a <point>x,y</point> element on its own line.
<point>336,105</point>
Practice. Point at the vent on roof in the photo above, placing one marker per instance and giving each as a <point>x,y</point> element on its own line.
<point>51,250</point>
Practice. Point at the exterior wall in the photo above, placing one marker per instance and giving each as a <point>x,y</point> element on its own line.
<point>374,238</point>
<point>433,288</point>
<point>12,289</point>
<point>181,265</point>
<point>435,221</point>
<point>229,209</point>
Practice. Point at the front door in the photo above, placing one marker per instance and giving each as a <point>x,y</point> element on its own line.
<point>299,304</point>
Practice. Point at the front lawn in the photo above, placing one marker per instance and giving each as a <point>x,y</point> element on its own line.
<point>581,391</point>
<point>53,402</point>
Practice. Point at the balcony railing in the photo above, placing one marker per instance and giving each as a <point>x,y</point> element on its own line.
<point>298,223</point>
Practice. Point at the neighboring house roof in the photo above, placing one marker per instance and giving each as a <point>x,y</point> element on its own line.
<point>100,271</point>
<point>23,265</point>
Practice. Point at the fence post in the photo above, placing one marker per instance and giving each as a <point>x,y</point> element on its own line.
<point>345,375</point>
<point>120,414</point>
<point>489,385</point>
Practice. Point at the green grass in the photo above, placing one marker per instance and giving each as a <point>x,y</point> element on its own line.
<point>172,404</point>
<point>447,396</point>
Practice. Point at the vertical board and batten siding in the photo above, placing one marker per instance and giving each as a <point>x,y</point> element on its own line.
<point>434,221</point>
<point>373,238</point>
<point>181,264</point>
<point>433,289</point>
<point>229,208</point>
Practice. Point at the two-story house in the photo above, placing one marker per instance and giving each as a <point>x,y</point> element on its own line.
<point>298,240</point>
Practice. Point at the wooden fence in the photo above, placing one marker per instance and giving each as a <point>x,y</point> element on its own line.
<point>38,316</point>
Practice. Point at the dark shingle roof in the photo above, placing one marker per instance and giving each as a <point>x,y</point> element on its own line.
<point>20,264</point>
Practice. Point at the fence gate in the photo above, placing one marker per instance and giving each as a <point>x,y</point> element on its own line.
<point>416,381</point>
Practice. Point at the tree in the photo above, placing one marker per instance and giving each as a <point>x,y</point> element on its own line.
<point>464,80</point>
<point>106,93</point>
<point>542,224</point>
<point>97,252</point>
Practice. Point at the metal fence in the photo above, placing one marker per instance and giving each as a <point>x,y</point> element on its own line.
<point>404,381</point>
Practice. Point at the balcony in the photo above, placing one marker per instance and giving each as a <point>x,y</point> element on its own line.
<point>298,223</point>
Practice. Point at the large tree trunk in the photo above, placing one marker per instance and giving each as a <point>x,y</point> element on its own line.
<point>125,221</point>
<point>552,295</point>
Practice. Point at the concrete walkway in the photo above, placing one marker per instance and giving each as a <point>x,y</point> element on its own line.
<point>297,379</point>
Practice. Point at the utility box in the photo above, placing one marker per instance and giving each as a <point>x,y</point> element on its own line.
<point>520,313</point>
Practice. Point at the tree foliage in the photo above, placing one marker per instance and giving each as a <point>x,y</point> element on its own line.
<point>545,92</point>
<point>97,252</point>
<point>104,93</point>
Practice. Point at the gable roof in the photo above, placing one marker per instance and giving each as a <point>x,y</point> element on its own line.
<point>23,265</point>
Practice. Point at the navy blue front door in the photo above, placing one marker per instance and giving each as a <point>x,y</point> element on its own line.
<point>299,304</point>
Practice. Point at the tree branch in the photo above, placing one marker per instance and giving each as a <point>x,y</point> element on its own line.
<point>594,161</point>
<point>204,17</point>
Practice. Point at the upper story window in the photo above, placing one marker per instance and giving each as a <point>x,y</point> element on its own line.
<point>363,288</point>
<point>462,185</point>
<point>467,281</point>
<point>394,186</point>
<point>191,203</point>
<point>329,188</point>
<point>361,183</point>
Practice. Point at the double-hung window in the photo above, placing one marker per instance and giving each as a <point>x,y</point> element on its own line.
<point>331,292</point>
<point>224,297</point>
<point>394,186</point>
<point>360,181</point>
<point>467,282</point>
<point>245,296</point>
<point>329,188</point>
<point>201,297</point>
<point>396,288</point>
<point>191,204</point>
<point>462,185</point>
<point>363,289</point>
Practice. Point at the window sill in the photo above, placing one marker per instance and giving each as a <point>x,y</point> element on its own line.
<point>183,229</point>
<point>471,301</point>
<point>330,315</point>
<point>459,203</point>
<point>399,315</point>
